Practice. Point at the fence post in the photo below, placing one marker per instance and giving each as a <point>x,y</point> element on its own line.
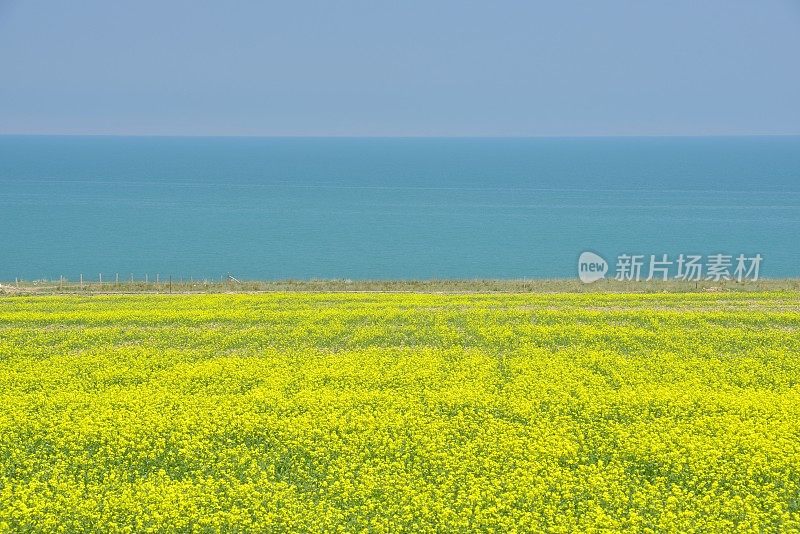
<point>81,280</point>
<point>170,283</point>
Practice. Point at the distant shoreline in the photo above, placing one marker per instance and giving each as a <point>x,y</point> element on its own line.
<point>56,287</point>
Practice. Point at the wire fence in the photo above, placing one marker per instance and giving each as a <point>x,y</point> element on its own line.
<point>158,283</point>
<point>130,282</point>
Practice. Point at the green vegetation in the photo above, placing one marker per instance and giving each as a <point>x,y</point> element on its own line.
<point>45,287</point>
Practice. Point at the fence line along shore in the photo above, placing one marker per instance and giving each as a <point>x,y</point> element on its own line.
<point>102,284</point>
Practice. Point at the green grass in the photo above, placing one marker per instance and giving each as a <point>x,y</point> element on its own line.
<point>42,287</point>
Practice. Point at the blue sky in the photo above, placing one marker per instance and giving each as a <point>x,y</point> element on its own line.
<point>385,68</point>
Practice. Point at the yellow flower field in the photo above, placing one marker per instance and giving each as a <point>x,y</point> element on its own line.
<point>400,412</point>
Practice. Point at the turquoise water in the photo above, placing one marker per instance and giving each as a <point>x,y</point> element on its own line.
<point>388,208</point>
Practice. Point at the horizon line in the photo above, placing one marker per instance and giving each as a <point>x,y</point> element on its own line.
<point>269,136</point>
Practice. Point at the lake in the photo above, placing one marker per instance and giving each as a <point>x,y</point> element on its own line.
<point>363,208</point>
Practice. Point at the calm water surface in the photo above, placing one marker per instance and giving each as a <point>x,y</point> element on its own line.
<point>388,208</point>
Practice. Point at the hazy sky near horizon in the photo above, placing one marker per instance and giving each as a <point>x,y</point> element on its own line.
<point>374,67</point>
